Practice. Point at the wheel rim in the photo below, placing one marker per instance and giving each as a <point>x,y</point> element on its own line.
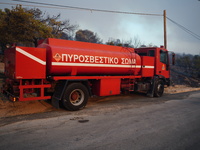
<point>76,97</point>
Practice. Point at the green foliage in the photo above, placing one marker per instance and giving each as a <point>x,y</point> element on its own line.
<point>26,26</point>
<point>20,26</point>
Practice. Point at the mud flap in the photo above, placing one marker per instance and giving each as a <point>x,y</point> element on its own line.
<point>55,102</point>
<point>152,89</point>
<point>58,94</point>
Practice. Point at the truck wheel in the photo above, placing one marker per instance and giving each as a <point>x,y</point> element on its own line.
<point>159,88</point>
<point>75,97</point>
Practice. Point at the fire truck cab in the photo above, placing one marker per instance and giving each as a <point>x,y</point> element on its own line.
<point>161,61</point>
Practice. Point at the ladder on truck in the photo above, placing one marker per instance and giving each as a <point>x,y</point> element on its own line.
<point>131,81</point>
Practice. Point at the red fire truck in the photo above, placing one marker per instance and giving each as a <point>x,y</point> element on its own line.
<point>68,72</point>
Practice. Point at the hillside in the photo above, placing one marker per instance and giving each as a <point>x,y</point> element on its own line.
<point>179,76</point>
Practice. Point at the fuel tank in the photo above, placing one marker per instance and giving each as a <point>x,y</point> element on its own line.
<point>65,57</point>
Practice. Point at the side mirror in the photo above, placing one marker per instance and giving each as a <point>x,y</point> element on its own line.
<point>173,58</point>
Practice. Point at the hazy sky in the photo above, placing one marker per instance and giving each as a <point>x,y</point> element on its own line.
<point>149,29</point>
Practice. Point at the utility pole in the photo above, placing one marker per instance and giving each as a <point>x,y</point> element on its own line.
<point>165,28</point>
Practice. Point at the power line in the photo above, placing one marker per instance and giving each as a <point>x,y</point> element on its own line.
<point>185,29</point>
<point>46,5</point>
<point>87,9</point>
<point>31,5</point>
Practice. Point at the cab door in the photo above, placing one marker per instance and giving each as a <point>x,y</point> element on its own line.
<point>162,66</point>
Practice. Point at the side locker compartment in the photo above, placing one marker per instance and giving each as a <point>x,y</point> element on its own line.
<point>106,87</point>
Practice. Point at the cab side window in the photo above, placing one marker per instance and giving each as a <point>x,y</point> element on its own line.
<point>152,53</point>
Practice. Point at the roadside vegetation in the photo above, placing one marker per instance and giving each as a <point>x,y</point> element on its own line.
<point>186,70</point>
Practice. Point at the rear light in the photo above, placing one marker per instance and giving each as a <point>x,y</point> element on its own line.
<point>14,99</point>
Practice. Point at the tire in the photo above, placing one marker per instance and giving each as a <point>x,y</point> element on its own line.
<point>75,97</point>
<point>159,88</point>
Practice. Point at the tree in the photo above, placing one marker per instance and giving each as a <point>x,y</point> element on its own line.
<point>87,36</point>
<point>60,28</point>
<point>135,42</point>
<point>116,42</point>
<point>27,26</point>
<point>19,26</point>
<point>189,64</point>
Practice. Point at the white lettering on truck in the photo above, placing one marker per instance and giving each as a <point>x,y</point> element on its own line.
<point>96,59</point>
